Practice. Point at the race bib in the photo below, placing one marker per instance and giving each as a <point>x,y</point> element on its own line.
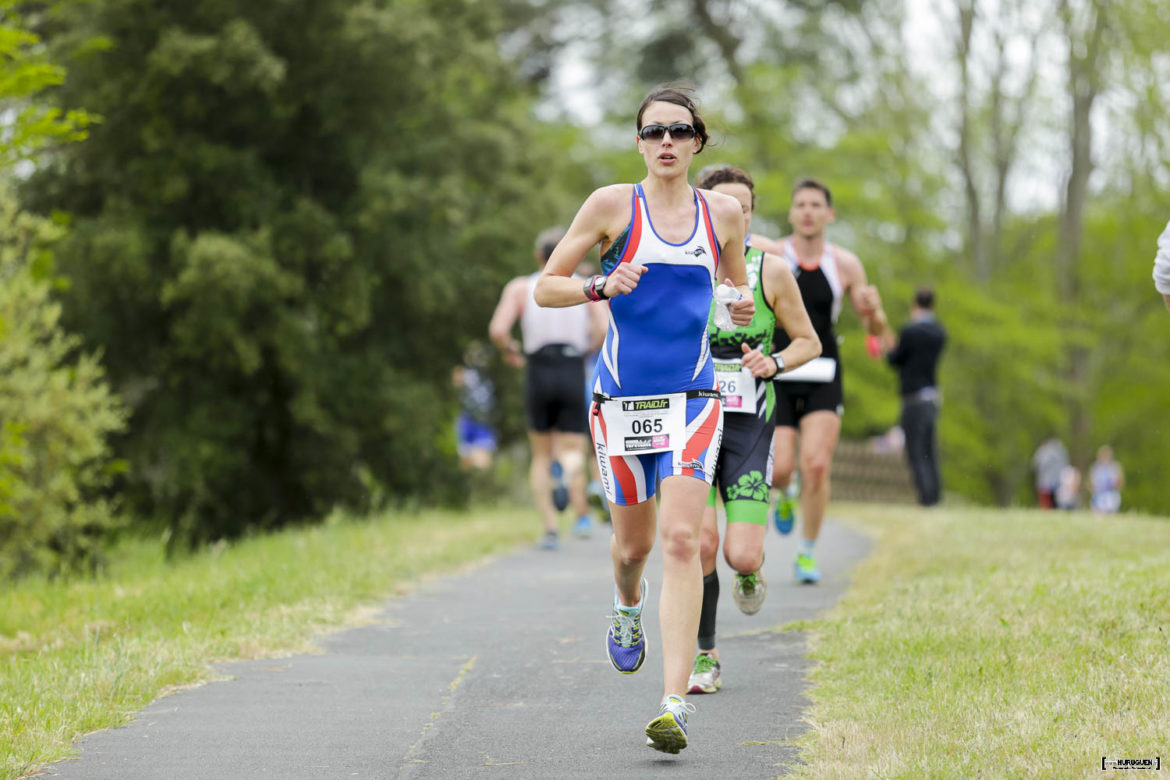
<point>736,385</point>
<point>646,423</point>
<point>816,370</point>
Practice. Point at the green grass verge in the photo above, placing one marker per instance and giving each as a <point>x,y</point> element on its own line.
<point>984,643</point>
<point>86,655</point>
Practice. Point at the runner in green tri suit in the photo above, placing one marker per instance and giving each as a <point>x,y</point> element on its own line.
<point>744,368</point>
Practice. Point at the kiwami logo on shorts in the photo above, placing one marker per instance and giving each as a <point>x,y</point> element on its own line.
<point>649,403</point>
<point>636,443</point>
<point>696,252</point>
<point>1154,764</point>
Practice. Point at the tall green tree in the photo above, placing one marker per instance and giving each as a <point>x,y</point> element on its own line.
<point>289,222</point>
<point>56,409</point>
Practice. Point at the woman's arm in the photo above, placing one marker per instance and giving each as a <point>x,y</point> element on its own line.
<point>591,226</point>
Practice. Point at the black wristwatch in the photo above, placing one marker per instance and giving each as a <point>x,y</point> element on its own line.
<point>779,363</point>
<point>597,288</point>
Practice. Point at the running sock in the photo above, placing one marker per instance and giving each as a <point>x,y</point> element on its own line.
<point>806,546</point>
<point>707,615</point>
<point>620,607</point>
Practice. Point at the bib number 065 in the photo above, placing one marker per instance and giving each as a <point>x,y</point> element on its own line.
<point>643,427</point>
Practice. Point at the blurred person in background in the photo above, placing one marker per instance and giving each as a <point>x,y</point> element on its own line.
<point>1048,462</point>
<point>552,348</point>
<point>915,352</point>
<point>1162,266</point>
<point>475,438</point>
<point>1106,479</point>
<point>811,399</point>
<point>1068,489</point>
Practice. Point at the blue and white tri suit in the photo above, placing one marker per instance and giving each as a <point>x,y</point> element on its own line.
<point>657,343</point>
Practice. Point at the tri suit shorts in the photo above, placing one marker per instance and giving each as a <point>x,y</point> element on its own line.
<point>744,471</point>
<point>632,479</point>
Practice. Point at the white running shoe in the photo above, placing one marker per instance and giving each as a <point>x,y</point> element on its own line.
<point>749,592</point>
<point>705,675</point>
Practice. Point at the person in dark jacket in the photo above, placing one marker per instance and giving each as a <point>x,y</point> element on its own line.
<point>915,354</point>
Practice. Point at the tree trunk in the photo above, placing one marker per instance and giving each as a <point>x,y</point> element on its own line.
<point>1084,68</point>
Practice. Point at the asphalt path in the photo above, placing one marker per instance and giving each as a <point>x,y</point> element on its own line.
<point>497,671</point>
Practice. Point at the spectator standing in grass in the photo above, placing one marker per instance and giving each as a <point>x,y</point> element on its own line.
<point>1048,462</point>
<point>915,353</point>
<point>1106,479</point>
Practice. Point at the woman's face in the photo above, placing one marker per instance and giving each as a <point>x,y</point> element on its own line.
<point>743,194</point>
<point>668,155</point>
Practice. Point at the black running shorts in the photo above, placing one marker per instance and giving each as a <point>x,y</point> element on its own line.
<point>796,399</point>
<point>553,397</point>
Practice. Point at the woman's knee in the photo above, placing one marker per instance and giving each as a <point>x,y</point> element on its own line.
<point>633,550</point>
<point>680,542</point>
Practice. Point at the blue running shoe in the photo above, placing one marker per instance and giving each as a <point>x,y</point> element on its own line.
<point>583,528</point>
<point>549,541</point>
<point>784,516</point>
<point>806,569</point>
<point>668,732</point>
<point>624,642</point>
<point>560,494</point>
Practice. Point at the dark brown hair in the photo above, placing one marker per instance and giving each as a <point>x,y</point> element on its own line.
<point>813,184</point>
<point>680,96</point>
<point>924,298</point>
<point>713,175</point>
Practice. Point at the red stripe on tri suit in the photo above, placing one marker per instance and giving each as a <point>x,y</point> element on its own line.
<point>635,233</point>
<point>710,235</point>
<point>698,443</point>
<point>621,470</point>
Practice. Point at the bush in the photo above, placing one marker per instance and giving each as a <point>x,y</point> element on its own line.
<point>56,416</point>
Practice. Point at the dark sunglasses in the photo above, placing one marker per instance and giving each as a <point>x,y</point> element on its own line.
<point>679,131</point>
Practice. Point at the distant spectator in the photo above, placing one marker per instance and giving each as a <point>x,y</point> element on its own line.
<point>475,437</point>
<point>1069,489</point>
<point>1162,266</point>
<point>915,354</point>
<point>1050,459</point>
<point>1105,482</point>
